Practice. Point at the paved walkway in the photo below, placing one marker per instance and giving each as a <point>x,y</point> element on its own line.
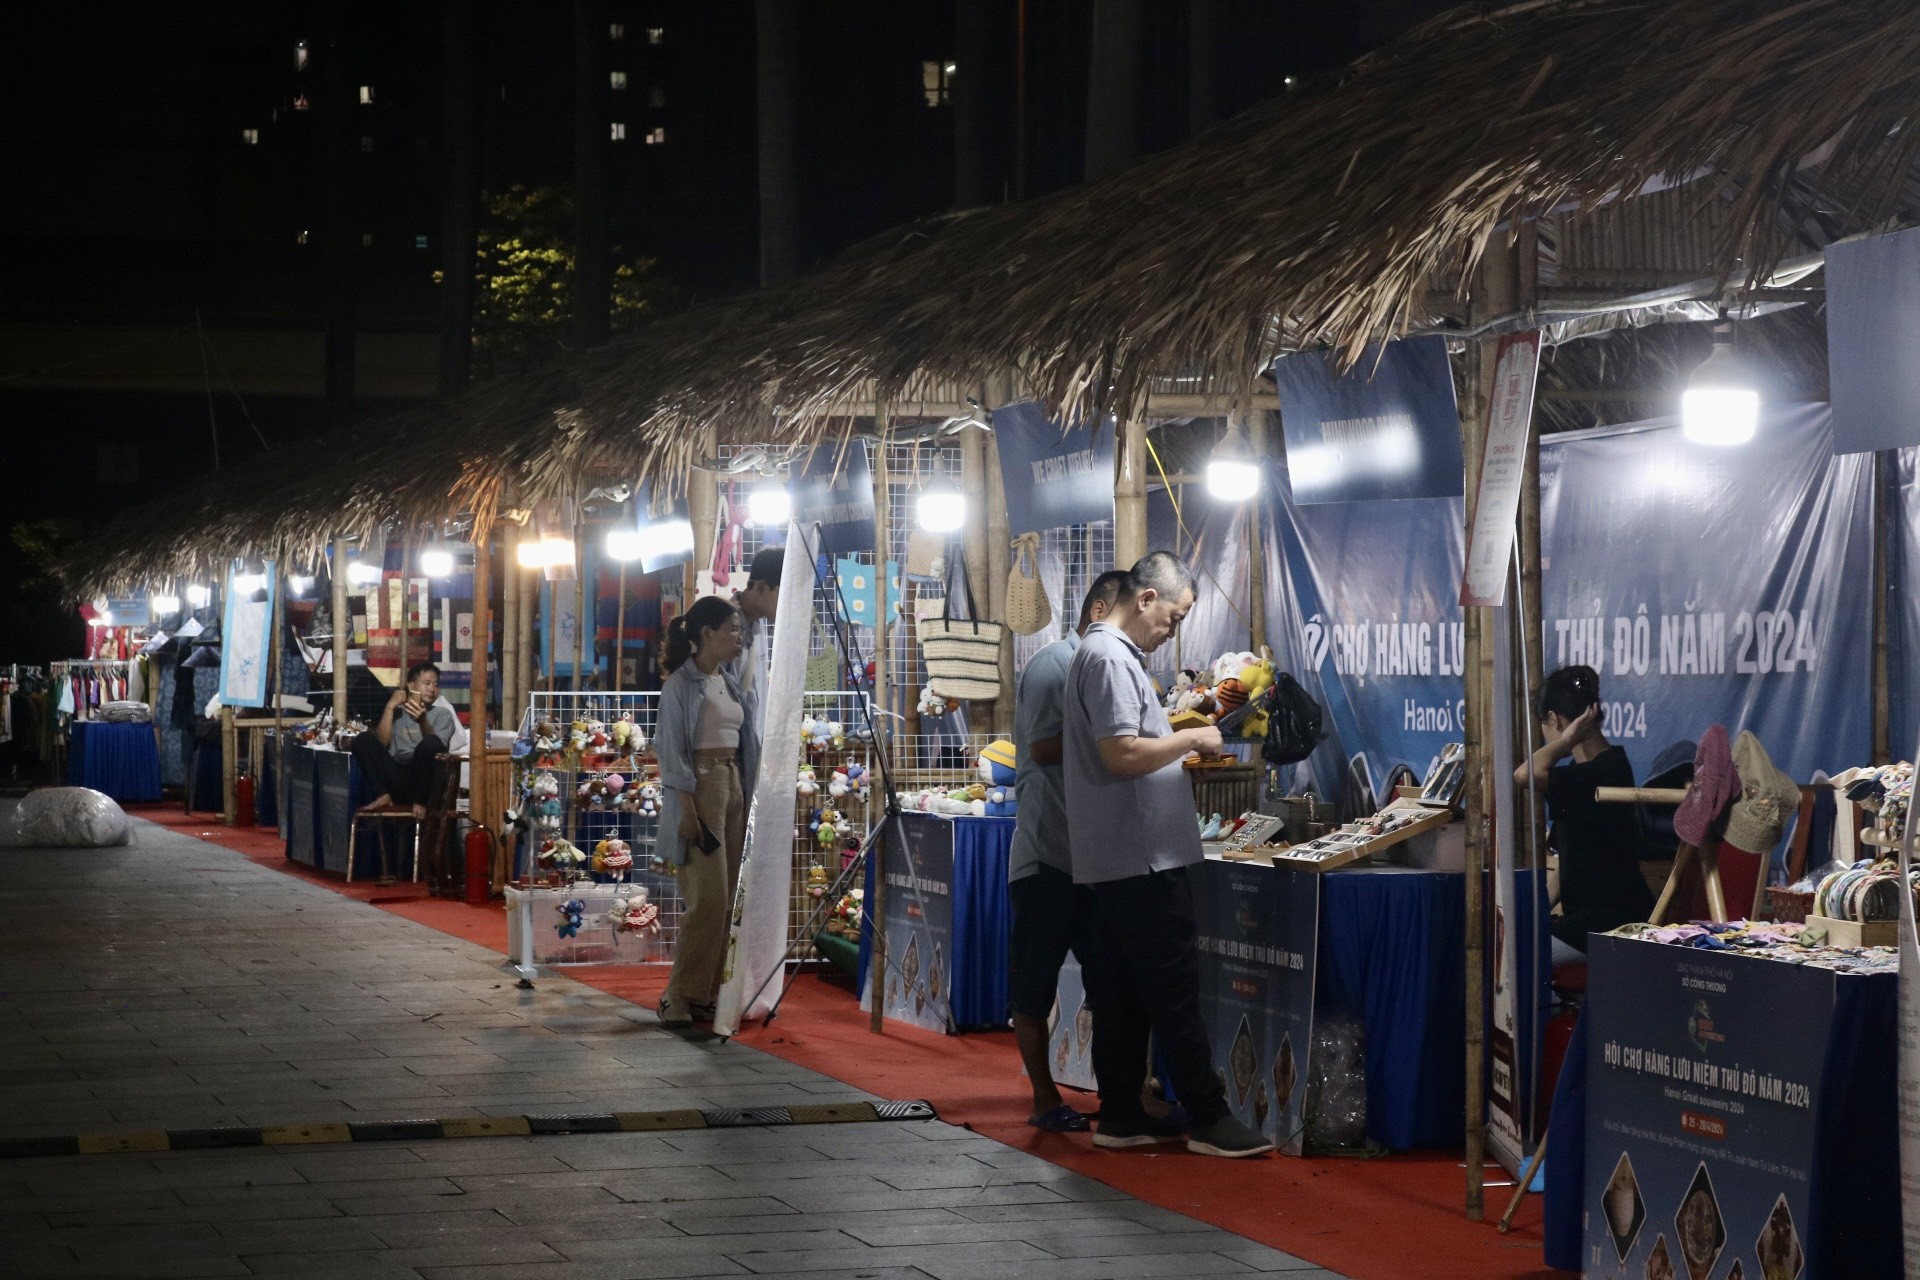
<point>176,985</point>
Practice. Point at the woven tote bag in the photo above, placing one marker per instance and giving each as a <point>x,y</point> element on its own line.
<point>1028,609</point>
<point>962,654</point>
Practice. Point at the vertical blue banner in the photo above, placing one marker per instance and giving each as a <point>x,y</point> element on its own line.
<point>835,489</point>
<point>246,635</point>
<point>919,923</point>
<point>1259,938</point>
<point>1053,478</point>
<point>1873,325</point>
<point>1387,428</point>
<point>1714,586</point>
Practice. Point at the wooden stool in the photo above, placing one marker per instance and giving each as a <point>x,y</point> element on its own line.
<point>383,816</point>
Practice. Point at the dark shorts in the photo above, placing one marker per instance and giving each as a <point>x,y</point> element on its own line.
<point>1049,919</point>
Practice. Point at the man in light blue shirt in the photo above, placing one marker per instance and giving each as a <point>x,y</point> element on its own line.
<point>1040,865</point>
<point>1131,827</point>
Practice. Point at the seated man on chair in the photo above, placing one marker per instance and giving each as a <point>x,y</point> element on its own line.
<point>416,727</point>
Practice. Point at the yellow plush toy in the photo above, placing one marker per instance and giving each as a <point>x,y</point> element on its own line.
<point>1256,678</point>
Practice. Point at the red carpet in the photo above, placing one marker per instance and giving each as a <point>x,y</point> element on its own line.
<point>1387,1219</point>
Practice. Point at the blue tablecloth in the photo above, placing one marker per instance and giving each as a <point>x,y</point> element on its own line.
<point>982,917</point>
<point>1391,947</point>
<point>322,789</point>
<point>120,760</point>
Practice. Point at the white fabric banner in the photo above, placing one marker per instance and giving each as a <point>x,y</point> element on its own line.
<point>758,943</point>
<point>1909,1061</point>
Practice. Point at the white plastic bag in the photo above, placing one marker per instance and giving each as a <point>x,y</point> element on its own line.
<point>66,818</point>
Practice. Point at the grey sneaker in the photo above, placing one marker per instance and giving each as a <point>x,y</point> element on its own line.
<point>1228,1137</point>
<point>1139,1131</point>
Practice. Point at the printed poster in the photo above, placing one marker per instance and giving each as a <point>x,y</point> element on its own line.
<point>246,635</point>
<point>1386,428</point>
<point>834,489</point>
<point>1259,936</point>
<point>919,924</point>
<point>1070,1032</point>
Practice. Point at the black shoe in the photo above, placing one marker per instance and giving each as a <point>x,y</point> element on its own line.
<point>1228,1137</point>
<point>1138,1131</point>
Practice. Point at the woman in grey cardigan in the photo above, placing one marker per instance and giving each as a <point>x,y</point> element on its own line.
<point>709,752</point>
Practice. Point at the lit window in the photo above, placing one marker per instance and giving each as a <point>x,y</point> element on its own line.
<point>419,242</point>
<point>366,95</point>
<point>936,81</point>
<point>657,136</point>
<point>617,80</point>
<point>300,237</point>
<point>366,144</point>
<point>616,31</point>
<point>619,131</point>
<point>300,56</point>
<point>250,136</point>
<point>300,103</point>
<point>366,239</point>
<point>656,35</point>
<point>657,96</point>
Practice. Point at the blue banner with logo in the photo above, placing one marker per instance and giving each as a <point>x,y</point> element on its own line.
<point>1719,1128</point>
<point>1053,478</point>
<point>919,923</point>
<point>1259,933</point>
<point>1387,428</point>
<point>1714,585</point>
<point>1873,313</point>
<point>834,488</point>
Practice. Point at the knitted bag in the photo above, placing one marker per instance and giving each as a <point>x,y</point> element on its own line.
<point>1028,609</point>
<point>962,654</point>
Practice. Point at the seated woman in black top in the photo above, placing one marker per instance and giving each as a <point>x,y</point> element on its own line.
<point>1599,844</point>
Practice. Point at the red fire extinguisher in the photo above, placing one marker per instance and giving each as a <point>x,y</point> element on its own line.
<point>243,800</point>
<point>479,866</point>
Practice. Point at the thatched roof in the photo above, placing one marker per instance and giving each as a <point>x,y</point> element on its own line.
<point>1330,217</point>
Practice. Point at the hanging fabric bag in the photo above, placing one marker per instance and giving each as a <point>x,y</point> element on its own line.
<point>1028,609</point>
<point>962,654</point>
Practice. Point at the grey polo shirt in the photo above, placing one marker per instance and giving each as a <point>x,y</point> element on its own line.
<point>1120,827</point>
<point>1040,830</point>
<point>441,720</point>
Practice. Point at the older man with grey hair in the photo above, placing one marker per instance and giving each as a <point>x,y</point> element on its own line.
<point>1131,830</point>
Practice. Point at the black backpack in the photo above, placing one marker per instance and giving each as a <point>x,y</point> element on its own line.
<point>1295,724</point>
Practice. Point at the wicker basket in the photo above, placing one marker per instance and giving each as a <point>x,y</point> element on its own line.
<point>1790,906</point>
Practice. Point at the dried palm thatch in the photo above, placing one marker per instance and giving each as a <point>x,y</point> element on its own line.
<point>1329,218</point>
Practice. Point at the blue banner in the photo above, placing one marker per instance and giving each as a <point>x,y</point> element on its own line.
<point>1903,622</point>
<point>1703,1070</point>
<point>1714,586</point>
<point>1387,428</point>
<point>1259,938</point>
<point>1873,318</point>
<point>835,489</point>
<point>132,610</point>
<point>1052,478</point>
<point>919,922</point>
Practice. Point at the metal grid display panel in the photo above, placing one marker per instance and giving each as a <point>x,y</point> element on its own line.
<point>1070,559</point>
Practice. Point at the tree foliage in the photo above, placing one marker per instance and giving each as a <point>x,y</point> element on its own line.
<point>524,272</point>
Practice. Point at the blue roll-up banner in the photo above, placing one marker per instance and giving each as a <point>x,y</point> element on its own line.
<point>919,923</point>
<point>1713,585</point>
<point>1873,316</point>
<point>1387,428</point>
<point>834,488</point>
<point>1053,478</point>
<point>246,635</point>
<point>1259,930</point>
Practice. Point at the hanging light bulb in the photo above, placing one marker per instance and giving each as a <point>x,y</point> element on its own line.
<point>1720,406</point>
<point>198,596</point>
<point>362,572</point>
<point>769,503</point>
<point>623,544</point>
<point>437,563</point>
<point>941,508</point>
<point>164,605</point>
<point>300,583</point>
<point>1233,472</point>
<point>662,540</point>
<point>531,554</point>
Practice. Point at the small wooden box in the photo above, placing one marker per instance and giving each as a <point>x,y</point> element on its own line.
<point>1851,933</point>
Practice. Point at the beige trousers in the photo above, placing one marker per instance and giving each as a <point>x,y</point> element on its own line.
<point>707,882</point>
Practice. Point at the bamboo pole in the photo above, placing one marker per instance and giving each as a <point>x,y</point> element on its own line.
<point>1478,672</point>
<point>1130,496</point>
<point>342,630</point>
<point>999,547</point>
<point>529,602</point>
<point>509,625</point>
<point>480,805</point>
<point>229,761</point>
<point>1256,547</point>
<point>883,542</point>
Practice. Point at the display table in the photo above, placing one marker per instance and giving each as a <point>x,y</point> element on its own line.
<point>534,920</point>
<point>322,789</point>
<point>947,921</point>
<point>119,760</point>
<point>1736,1108</point>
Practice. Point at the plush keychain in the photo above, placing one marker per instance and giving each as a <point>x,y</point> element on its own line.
<point>816,882</point>
<point>837,785</point>
<point>806,784</point>
<point>827,831</point>
<point>857,781</point>
<point>932,704</point>
<point>650,799</point>
<point>572,912</point>
<point>613,856</point>
<point>615,784</point>
<point>634,914</point>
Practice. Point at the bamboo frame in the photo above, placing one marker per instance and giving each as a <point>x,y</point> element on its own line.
<point>883,540</point>
<point>342,629</point>
<point>479,801</point>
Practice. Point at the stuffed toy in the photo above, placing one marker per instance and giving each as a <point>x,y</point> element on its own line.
<point>649,806</point>
<point>1000,803</point>
<point>1229,664</point>
<point>546,737</point>
<point>615,784</point>
<point>598,739</point>
<point>560,854</point>
<point>844,922</point>
<point>577,737</point>
<point>857,780</point>
<point>837,785</point>
<point>817,882</point>
<point>826,832</point>
<point>932,704</point>
<point>1256,678</point>
<point>806,784</point>
<point>997,763</point>
<point>591,793</point>
<point>633,913</point>
<point>613,856</point>
<point>1212,830</point>
<point>572,912</point>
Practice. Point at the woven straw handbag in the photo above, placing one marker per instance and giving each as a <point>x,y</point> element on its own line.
<point>962,654</point>
<point>926,554</point>
<point>1028,609</point>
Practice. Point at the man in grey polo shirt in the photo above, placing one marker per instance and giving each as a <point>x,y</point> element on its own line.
<point>1131,827</point>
